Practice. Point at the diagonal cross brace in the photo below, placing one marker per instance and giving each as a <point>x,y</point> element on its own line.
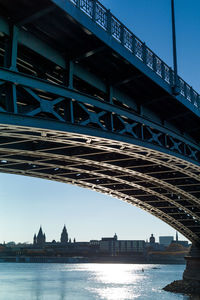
<point>176,145</point>
<point>193,153</point>
<point>45,105</point>
<point>128,127</point>
<point>155,136</point>
<point>93,117</point>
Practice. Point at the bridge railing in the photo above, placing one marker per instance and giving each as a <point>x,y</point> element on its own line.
<point>108,22</point>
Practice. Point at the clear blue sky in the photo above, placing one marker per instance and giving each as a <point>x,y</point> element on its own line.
<point>26,203</point>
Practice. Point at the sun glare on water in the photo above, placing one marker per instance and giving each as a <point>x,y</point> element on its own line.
<point>119,281</point>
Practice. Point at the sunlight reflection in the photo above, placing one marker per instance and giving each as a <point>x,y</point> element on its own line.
<point>120,280</point>
<point>116,274</point>
<point>115,293</point>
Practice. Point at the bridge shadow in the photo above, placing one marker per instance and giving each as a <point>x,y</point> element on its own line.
<point>42,283</point>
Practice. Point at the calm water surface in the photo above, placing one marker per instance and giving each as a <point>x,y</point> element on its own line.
<point>87,281</point>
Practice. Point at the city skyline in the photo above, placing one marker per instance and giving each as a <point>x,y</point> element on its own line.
<point>27,201</point>
<point>40,237</point>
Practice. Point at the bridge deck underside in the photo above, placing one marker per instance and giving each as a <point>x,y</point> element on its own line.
<point>55,27</point>
<point>159,184</point>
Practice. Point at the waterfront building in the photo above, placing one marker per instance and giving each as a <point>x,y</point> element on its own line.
<point>152,245</point>
<point>113,246</point>
<point>94,243</point>
<point>104,250</point>
<point>152,239</point>
<point>166,240</point>
<point>182,243</point>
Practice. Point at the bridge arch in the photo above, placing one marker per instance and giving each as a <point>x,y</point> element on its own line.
<point>163,184</point>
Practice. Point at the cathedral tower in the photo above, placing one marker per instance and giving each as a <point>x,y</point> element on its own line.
<point>64,236</point>
<point>41,238</point>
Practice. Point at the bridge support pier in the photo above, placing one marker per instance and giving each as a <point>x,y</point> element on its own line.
<point>192,271</point>
<point>190,284</point>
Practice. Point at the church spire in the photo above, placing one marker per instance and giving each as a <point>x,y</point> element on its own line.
<point>177,236</point>
<point>41,238</point>
<point>64,236</point>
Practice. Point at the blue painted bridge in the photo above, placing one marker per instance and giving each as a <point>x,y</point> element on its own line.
<point>84,101</point>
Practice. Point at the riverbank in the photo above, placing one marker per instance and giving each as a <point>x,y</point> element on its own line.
<point>187,287</point>
<point>80,259</point>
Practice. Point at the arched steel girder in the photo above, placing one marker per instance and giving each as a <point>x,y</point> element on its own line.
<point>106,166</point>
<point>188,168</point>
<point>45,165</point>
<point>126,146</point>
<point>131,200</point>
<point>45,156</point>
<point>147,156</point>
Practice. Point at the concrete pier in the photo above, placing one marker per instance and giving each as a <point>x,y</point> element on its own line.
<point>190,284</point>
<point>192,271</point>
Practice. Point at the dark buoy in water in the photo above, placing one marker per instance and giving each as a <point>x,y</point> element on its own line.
<point>142,270</point>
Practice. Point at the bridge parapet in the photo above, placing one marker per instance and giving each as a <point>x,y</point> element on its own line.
<point>115,28</point>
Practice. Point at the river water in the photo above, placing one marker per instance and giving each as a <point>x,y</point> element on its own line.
<point>88,281</point>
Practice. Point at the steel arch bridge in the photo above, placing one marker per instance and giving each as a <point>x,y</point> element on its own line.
<point>84,101</point>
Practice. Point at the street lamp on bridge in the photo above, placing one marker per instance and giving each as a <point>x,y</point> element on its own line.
<point>175,86</point>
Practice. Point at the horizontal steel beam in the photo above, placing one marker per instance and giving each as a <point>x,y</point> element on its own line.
<point>61,91</point>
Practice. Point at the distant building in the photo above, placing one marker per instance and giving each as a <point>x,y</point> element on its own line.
<point>182,243</point>
<point>40,239</point>
<point>177,236</point>
<point>166,240</point>
<point>114,238</point>
<point>95,244</point>
<point>152,245</point>
<point>64,236</point>
<point>152,239</point>
<point>113,246</point>
<point>10,244</point>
